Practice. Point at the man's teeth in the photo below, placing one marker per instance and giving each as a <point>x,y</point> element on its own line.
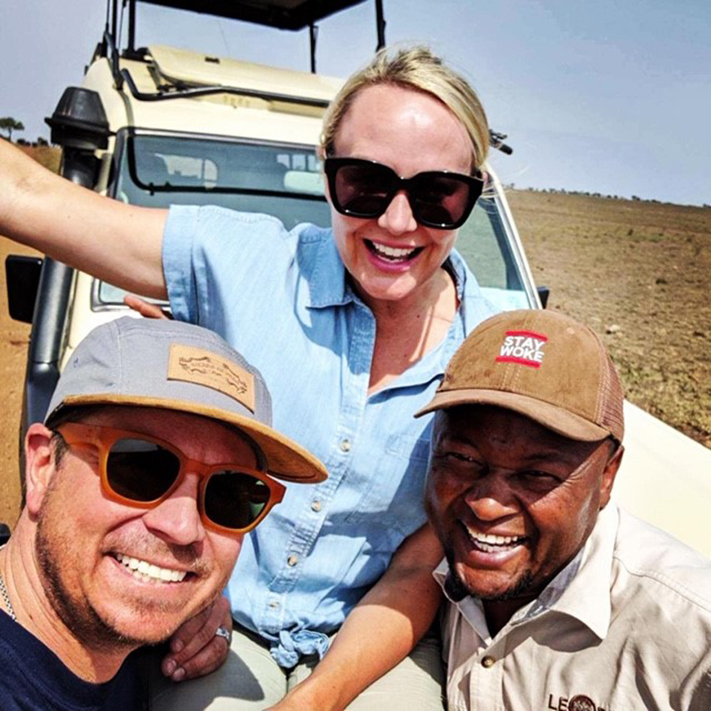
<point>490,543</point>
<point>147,571</point>
<point>393,253</point>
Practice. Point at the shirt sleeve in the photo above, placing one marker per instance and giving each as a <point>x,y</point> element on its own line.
<point>214,261</point>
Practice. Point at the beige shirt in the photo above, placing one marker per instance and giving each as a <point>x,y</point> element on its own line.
<point>626,625</point>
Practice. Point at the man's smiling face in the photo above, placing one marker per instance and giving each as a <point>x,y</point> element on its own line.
<point>511,501</point>
<point>116,573</point>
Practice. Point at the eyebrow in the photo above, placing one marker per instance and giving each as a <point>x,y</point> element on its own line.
<point>551,453</point>
<point>545,453</point>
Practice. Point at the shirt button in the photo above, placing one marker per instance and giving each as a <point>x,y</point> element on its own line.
<point>345,445</point>
<point>292,560</point>
<point>316,505</point>
<point>488,662</point>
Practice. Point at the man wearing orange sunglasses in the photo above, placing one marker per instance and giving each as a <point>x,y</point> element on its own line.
<point>155,458</point>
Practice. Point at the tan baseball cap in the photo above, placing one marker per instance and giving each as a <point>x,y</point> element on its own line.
<point>543,365</point>
<point>179,366</point>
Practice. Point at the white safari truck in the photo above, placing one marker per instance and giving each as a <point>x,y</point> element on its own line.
<point>159,125</point>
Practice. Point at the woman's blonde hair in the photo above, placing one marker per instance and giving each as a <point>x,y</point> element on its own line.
<point>419,69</point>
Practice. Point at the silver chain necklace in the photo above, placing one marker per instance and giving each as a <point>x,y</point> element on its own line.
<point>6,597</point>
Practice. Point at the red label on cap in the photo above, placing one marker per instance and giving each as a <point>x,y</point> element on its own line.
<point>522,347</point>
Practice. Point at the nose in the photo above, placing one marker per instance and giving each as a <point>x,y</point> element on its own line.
<point>398,218</point>
<point>490,499</point>
<point>177,519</point>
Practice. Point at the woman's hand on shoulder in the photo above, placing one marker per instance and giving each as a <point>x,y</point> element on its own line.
<point>145,308</point>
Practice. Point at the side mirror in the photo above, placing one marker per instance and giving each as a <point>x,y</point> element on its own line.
<point>22,275</point>
<point>543,293</point>
<point>4,533</point>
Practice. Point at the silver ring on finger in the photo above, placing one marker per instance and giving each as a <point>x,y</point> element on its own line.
<point>225,634</point>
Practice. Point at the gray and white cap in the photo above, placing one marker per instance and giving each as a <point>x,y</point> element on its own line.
<point>180,366</point>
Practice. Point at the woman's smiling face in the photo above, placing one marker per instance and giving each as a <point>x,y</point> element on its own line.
<point>392,257</point>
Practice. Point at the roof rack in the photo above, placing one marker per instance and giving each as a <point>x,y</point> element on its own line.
<point>176,91</point>
<point>281,14</point>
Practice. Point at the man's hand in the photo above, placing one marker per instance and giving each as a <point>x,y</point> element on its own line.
<point>195,650</point>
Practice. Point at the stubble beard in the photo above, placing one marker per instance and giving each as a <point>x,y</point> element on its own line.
<point>458,588</point>
<point>80,619</point>
<point>52,546</point>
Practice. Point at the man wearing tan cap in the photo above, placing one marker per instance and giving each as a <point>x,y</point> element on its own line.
<point>558,599</point>
<point>155,458</point>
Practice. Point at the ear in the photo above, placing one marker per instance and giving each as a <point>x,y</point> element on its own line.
<point>39,465</point>
<point>608,476</point>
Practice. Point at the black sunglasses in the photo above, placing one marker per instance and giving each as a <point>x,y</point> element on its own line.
<point>438,198</point>
<point>141,470</point>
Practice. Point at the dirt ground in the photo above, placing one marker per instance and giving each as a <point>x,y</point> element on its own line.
<point>637,272</point>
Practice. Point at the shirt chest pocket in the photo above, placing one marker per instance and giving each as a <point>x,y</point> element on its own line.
<point>391,492</point>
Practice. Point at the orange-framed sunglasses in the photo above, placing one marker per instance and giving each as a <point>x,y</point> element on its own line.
<point>141,470</point>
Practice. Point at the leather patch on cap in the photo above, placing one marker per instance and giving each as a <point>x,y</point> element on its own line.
<point>195,365</point>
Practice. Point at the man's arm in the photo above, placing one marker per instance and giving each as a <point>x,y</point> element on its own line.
<point>380,631</point>
<point>109,239</point>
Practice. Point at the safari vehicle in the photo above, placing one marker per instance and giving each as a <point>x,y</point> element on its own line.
<point>158,125</point>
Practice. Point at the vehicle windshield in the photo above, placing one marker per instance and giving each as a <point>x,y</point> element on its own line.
<point>158,170</point>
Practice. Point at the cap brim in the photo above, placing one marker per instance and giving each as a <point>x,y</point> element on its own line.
<point>286,459</point>
<point>549,416</point>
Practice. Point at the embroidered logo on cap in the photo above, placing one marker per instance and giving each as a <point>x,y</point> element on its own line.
<point>195,365</point>
<point>522,347</point>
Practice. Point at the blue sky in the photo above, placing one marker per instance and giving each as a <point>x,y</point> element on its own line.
<point>605,96</point>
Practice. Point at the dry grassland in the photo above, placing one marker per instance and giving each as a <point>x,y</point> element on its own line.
<point>639,273</point>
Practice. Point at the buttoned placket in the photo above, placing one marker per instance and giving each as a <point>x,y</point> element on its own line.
<point>487,678</point>
<point>355,374</point>
<point>486,669</point>
<point>356,381</point>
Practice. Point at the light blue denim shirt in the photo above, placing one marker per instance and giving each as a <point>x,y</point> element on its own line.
<point>282,299</point>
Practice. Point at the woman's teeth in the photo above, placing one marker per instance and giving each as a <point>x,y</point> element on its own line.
<point>392,254</point>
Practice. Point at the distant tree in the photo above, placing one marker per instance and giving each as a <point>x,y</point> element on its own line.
<point>43,142</point>
<point>9,124</point>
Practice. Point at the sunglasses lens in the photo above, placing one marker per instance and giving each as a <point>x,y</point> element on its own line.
<point>440,199</point>
<point>140,470</point>
<point>363,189</point>
<point>235,499</point>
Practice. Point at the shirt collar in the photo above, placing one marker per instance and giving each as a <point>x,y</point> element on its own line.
<point>329,285</point>
<point>323,269</point>
<point>470,607</point>
<point>587,596</point>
